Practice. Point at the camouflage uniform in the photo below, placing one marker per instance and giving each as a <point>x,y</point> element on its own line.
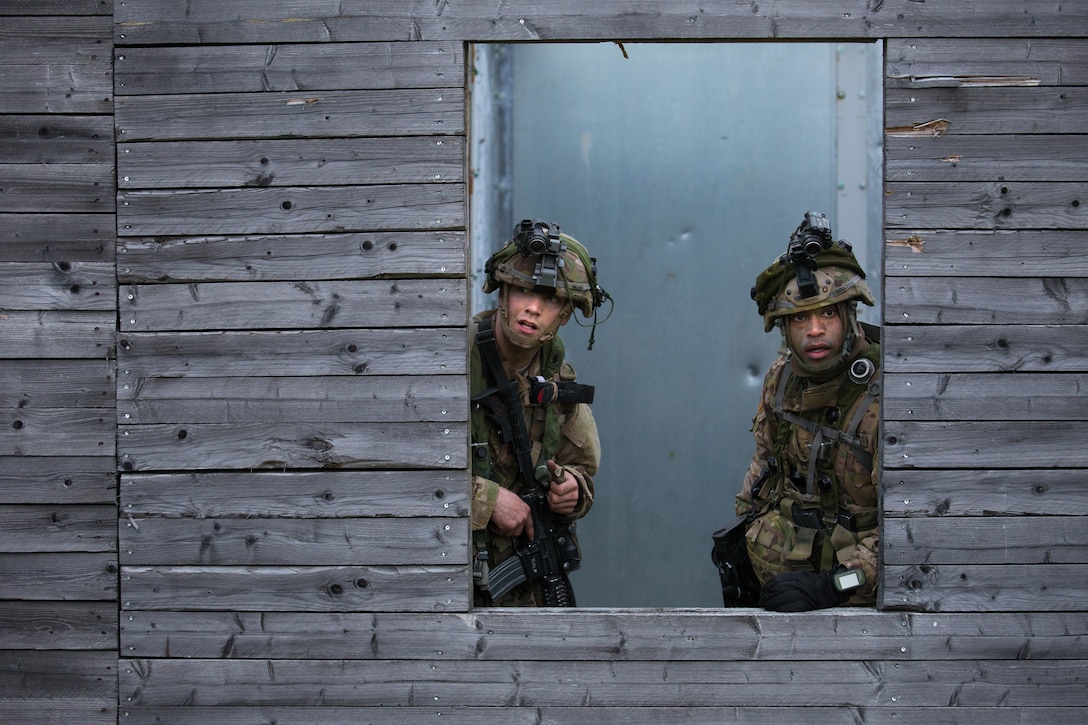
<point>776,543</point>
<point>577,450</point>
<point>564,432</point>
<point>817,437</point>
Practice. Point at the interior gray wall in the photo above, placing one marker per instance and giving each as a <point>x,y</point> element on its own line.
<point>683,168</point>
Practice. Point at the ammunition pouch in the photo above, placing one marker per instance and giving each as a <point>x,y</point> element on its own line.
<point>811,518</point>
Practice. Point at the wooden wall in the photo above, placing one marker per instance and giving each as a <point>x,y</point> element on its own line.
<point>58,482</point>
<point>235,480</point>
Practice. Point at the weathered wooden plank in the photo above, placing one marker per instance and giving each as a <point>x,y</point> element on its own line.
<point>986,157</point>
<point>986,205</point>
<point>59,577</point>
<point>58,479</point>
<point>58,675</point>
<point>983,444</point>
<point>986,588</point>
<point>69,36</point>
<point>57,334</point>
<point>416,351</point>
<point>43,431</point>
<point>58,626</point>
<point>293,542</point>
<point>348,683</point>
<point>57,237</point>
<point>927,62</point>
<point>34,89</point>
<point>327,66</point>
<point>306,494</point>
<point>372,399</point>
<point>66,711</point>
<point>987,300</point>
<point>159,22</point>
<point>50,528</point>
<point>55,139</point>
<point>57,7</point>
<point>986,493</point>
<point>298,304</point>
<point>292,209</point>
<point>288,444</point>
<point>989,396</point>
<point>985,540</point>
<point>81,188</point>
<point>277,257</point>
<point>57,286</point>
<point>282,114</point>
<point>1002,253</point>
<point>577,715</point>
<point>291,162</point>
<point>154,682</point>
<point>925,111</point>
<point>984,348</point>
<point>297,589</point>
<point>587,684</point>
<point>57,384</point>
<point>604,635</point>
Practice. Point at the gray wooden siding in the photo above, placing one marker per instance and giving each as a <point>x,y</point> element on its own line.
<point>233,289</point>
<point>982,350</point>
<point>58,310</point>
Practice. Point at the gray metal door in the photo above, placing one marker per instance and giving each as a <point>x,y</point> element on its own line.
<point>683,168</point>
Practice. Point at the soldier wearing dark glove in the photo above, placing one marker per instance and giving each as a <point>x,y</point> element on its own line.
<point>811,492</point>
<point>801,591</point>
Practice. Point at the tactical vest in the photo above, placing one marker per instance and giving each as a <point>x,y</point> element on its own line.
<point>811,495</point>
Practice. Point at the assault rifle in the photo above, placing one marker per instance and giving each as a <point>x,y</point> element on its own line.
<point>553,551</point>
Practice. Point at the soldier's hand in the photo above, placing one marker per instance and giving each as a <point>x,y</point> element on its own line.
<point>511,515</point>
<point>801,591</point>
<point>563,492</point>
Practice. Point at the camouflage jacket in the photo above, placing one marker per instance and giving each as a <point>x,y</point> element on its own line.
<point>838,422</point>
<point>573,444</point>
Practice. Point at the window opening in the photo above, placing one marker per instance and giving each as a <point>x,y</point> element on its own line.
<point>683,167</point>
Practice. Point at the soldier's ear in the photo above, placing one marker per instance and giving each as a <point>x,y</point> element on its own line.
<point>565,315</point>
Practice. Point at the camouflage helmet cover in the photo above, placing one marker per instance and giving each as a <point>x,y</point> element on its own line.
<point>838,276</point>
<point>574,277</point>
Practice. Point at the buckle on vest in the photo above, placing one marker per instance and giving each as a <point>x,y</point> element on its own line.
<point>823,452</point>
<point>480,569</point>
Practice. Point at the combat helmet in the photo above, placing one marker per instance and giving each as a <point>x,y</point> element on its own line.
<point>814,272</point>
<point>540,257</point>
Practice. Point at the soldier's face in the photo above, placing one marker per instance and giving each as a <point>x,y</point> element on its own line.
<point>532,317</point>
<point>816,335</point>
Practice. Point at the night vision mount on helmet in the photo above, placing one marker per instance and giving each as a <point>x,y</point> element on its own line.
<point>814,272</point>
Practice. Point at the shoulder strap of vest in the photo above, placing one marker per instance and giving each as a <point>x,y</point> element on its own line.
<point>847,436</point>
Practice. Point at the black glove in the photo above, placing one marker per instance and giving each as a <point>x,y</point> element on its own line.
<point>801,591</point>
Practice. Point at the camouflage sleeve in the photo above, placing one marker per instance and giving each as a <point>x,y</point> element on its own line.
<point>484,494</point>
<point>764,431</point>
<point>580,453</point>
